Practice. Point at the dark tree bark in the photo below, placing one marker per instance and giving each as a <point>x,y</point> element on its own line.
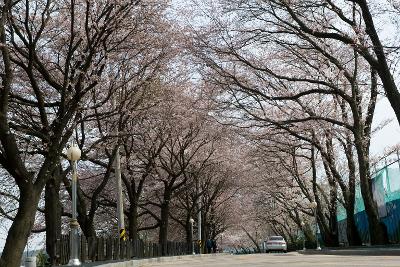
<point>253,240</point>
<point>52,217</point>
<point>353,236</point>
<point>11,160</point>
<point>21,228</point>
<point>163,234</point>
<point>377,231</point>
<point>379,62</point>
<point>189,236</point>
<point>133,221</point>
<point>328,229</point>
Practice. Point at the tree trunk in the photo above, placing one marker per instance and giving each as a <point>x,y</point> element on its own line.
<point>21,228</point>
<point>391,90</point>
<point>87,227</point>
<point>331,238</point>
<point>309,233</point>
<point>377,232</point>
<point>254,239</point>
<point>189,236</point>
<point>353,237</point>
<point>329,234</point>
<point>381,63</point>
<point>52,217</point>
<point>133,222</point>
<point>163,237</point>
<point>204,237</point>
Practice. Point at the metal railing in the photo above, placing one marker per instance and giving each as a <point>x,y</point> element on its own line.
<point>105,249</point>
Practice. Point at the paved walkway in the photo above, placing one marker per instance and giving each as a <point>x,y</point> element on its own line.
<point>292,259</point>
<point>368,251</point>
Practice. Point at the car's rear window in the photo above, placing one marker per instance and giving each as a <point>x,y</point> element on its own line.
<point>276,238</point>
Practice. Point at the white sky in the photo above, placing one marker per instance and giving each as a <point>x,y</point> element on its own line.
<point>390,134</point>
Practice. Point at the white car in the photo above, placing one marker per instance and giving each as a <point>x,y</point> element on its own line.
<point>276,243</point>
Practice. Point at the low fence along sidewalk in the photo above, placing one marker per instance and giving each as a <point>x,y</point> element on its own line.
<point>103,249</point>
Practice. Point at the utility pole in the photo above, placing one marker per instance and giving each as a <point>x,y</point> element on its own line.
<point>117,167</point>
<point>199,215</point>
<point>120,204</point>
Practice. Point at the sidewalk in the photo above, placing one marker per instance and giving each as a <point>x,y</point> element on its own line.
<point>369,251</point>
<point>140,262</point>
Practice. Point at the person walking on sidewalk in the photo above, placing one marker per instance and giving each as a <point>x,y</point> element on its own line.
<point>214,246</point>
<point>209,245</point>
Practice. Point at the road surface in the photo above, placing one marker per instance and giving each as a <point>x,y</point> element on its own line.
<point>292,259</point>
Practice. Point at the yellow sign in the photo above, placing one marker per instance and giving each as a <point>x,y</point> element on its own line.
<point>122,234</point>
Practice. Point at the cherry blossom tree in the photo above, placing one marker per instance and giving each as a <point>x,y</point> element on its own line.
<point>53,56</point>
<point>292,81</point>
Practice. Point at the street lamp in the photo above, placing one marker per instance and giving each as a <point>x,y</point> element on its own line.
<point>74,154</point>
<point>314,207</point>
<point>191,234</point>
<point>304,236</point>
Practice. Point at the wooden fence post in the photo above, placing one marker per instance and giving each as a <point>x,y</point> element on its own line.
<point>100,249</point>
<point>109,249</point>
<point>92,251</point>
<point>116,249</point>
<point>123,249</point>
<point>146,249</point>
<point>155,251</point>
<point>140,248</point>
<point>83,249</point>
<point>64,249</point>
<point>129,249</point>
<point>57,251</point>
<point>134,252</point>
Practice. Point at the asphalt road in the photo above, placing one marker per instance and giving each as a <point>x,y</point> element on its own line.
<point>280,260</point>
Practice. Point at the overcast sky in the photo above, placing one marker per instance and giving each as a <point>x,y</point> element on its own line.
<point>390,134</point>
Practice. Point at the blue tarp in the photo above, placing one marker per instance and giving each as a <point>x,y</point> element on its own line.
<point>386,190</point>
